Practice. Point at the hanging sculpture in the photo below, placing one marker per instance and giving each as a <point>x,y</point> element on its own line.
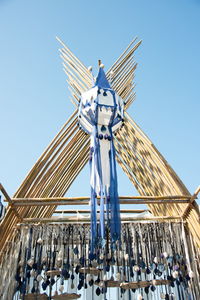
<point>100,115</point>
<point>143,261</point>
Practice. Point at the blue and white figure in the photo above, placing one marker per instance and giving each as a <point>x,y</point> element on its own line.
<point>100,115</point>
<point>2,210</point>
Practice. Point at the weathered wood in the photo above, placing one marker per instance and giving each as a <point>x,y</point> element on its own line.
<point>142,284</point>
<point>53,273</point>
<point>35,297</point>
<point>108,283</point>
<point>66,296</point>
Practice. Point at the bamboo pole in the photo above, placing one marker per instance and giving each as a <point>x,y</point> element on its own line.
<point>87,78</point>
<point>22,190</point>
<point>120,57</point>
<point>78,63</point>
<point>85,200</point>
<point>152,154</point>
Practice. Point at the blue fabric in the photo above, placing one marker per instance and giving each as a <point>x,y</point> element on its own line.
<point>101,80</point>
<point>115,224</point>
<point>109,201</point>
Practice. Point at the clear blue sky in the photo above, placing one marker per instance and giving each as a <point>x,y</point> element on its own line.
<point>34,97</point>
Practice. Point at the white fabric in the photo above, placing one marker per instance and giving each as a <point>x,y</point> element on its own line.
<point>106,100</point>
<point>94,170</point>
<point>104,115</point>
<point>89,95</point>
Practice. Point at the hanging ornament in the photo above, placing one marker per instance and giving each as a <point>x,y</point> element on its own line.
<point>39,241</point>
<point>101,284</point>
<point>39,278</point>
<point>118,276</point>
<point>30,262</point>
<point>32,273</point>
<point>126,257</point>
<point>72,285</point>
<point>176,267</point>
<point>61,288</point>
<point>100,115</point>
<point>101,256</point>
<point>175,274</point>
<point>136,268</point>
<point>191,274</point>
<point>165,254</point>
<point>98,291</point>
<point>155,260</point>
<point>91,282</point>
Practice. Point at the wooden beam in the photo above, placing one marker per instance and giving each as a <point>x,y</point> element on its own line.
<point>87,211</point>
<point>85,200</point>
<point>142,284</point>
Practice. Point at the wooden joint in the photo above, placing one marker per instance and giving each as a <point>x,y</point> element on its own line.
<point>10,201</point>
<point>191,204</point>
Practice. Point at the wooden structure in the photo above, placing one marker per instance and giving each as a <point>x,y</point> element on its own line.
<point>46,184</point>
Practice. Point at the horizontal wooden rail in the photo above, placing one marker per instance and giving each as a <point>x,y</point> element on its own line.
<point>142,284</point>
<point>85,200</point>
<point>133,285</point>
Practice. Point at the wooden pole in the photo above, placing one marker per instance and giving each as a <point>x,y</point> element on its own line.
<point>85,200</point>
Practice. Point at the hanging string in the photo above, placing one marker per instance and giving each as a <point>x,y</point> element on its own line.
<point>63,250</point>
